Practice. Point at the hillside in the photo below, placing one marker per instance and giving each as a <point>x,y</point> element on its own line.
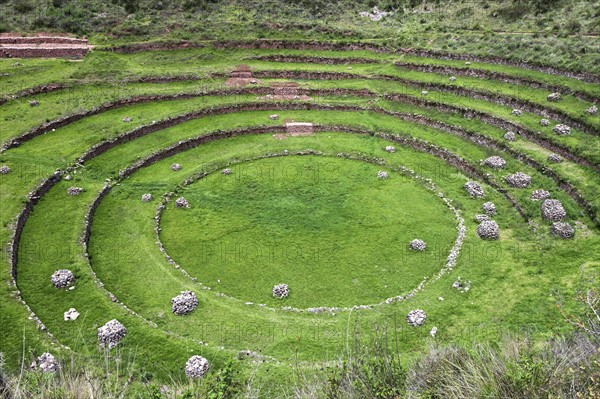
<point>562,33</point>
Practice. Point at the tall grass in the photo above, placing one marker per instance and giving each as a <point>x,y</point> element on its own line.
<point>515,368</point>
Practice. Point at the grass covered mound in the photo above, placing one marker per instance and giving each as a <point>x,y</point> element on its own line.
<point>327,227</point>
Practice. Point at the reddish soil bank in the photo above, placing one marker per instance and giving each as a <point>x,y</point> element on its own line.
<point>43,47</point>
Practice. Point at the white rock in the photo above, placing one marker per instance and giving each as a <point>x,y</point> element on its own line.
<point>71,314</point>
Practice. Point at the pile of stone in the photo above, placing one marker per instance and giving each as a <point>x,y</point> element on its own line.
<point>518,180</point>
<point>274,117</point>
<point>281,291</point>
<point>47,363</point>
<point>424,92</point>
<point>182,203</point>
<point>74,190</point>
<point>553,97</point>
<point>510,136</point>
<point>495,162</point>
<point>561,130</point>
<point>62,278</point>
<point>481,218</point>
<point>489,208</point>
<point>382,174</point>
<point>176,167</point>
<point>562,230</point>
<point>71,314</point>
<point>517,112</point>
<point>452,78</point>
<point>146,197</point>
<point>539,195</point>
<point>593,110</point>
<point>4,170</point>
<point>226,171</point>
<point>111,333</point>
<point>196,367</point>
<point>184,303</point>
<point>544,122</point>
<point>553,210</point>
<point>474,189</point>
<point>416,317</point>
<point>554,158</point>
<point>390,148</point>
<point>34,103</point>
<point>488,230</point>
<point>127,119</point>
<point>418,245</point>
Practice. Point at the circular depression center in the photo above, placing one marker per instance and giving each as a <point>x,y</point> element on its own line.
<point>327,227</point>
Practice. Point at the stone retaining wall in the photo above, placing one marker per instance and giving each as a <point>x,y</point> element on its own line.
<point>43,52</point>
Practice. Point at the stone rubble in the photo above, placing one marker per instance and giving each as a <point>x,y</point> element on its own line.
<point>34,103</point>
<point>544,122</point>
<point>452,78</point>
<point>495,162</point>
<point>539,195</point>
<point>562,229</point>
<point>553,210</point>
<point>74,190</point>
<point>510,136</point>
<point>480,218</point>
<point>390,148</point>
<point>474,189</point>
<point>433,332</point>
<point>62,278</point>
<point>111,333</point>
<point>418,245</point>
<point>517,112</point>
<point>489,208</point>
<point>518,180</point>
<point>146,197</point>
<point>4,170</point>
<point>48,363</point>
<point>382,174</point>
<point>462,285</point>
<point>554,158</point>
<point>196,367</point>
<point>226,171</point>
<point>488,230</point>
<point>176,167</point>
<point>71,314</point>
<point>184,303</point>
<point>553,97</point>
<point>182,203</point>
<point>561,130</point>
<point>416,317</point>
<point>127,119</point>
<point>593,110</point>
<point>274,117</point>
<point>281,291</point>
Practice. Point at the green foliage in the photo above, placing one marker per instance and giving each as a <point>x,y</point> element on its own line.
<point>226,383</point>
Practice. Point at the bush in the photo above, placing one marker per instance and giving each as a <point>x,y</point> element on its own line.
<point>23,6</point>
